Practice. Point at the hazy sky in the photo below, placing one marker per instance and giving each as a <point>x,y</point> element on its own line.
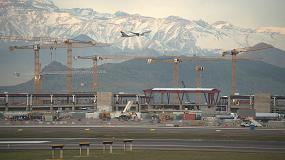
<point>247,13</point>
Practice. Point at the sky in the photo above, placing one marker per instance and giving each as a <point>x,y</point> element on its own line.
<point>244,13</point>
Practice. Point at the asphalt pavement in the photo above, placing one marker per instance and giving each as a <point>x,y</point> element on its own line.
<point>158,144</point>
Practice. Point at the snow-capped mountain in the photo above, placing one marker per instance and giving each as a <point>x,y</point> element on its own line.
<point>170,34</point>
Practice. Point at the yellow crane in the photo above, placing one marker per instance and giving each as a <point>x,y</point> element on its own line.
<point>96,58</point>
<point>175,61</point>
<point>234,53</point>
<point>48,43</point>
<point>198,70</point>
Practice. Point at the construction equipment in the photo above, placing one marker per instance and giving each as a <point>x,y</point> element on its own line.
<point>234,54</point>
<point>176,61</point>
<point>96,58</point>
<point>128,106</point>
<point>198,70</point>
<point>163,117</point>
<point>50,43</point>
<point>125,114</point>
<point>31,38</point>
<point>36,49</point>
<point>69,44</point>
<point>105,116</point>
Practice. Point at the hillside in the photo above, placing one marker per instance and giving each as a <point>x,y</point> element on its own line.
<point>134,76</point>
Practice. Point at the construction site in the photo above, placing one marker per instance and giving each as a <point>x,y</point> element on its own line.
<point>167,106</point>
<point>153,80</point>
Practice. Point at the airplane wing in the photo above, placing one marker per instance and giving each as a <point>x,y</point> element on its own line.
<point>137,34</point>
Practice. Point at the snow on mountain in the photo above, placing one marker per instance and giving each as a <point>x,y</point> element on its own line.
<point>24,5</point>
<point>171,34</point>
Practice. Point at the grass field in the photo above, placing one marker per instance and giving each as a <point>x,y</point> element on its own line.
<point>141,155</point>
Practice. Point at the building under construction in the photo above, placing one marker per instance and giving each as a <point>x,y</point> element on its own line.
<point>207,100</point>
<point>153,100</point>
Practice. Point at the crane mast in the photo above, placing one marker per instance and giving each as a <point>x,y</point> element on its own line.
<point>48,43</point>
<point>234,53</point>
<point>175,74</point>
<point>37,78</point>
<point>69,68</point>
<point>198,70</point>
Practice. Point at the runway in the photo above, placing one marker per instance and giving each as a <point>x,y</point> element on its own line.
<point>159,138</point>
<point>159,144</point>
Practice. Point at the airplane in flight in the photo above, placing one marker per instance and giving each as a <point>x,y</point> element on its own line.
<point>126,35</point>
<point>133,34</point>
<point>141,34</point>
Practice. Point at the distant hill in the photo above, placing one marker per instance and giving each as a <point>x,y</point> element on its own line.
<point>134,76</point>
<point>272,56</point>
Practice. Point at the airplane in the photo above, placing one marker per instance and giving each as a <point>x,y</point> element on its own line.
<point>126,35</point>
<point>141,34</point>
<point>134,34</point>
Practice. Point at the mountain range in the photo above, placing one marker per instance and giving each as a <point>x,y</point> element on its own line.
<point>172,34</point>
<point>135,75</point>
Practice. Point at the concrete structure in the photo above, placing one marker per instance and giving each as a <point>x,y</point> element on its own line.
<point>237,102</point>
<point>104,101</point>
<point>278,104</point>
<point>262,102</point>
<point>157,101</point>
<point>40,102</point>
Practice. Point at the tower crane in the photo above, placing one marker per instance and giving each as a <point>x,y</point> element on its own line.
<point>96,58</point>
<point>175,61</point>
<point>48,43</point>
<point>234,53</point>
<point>31,38</point>
<point>69,44</point>
<point>198,70</point>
